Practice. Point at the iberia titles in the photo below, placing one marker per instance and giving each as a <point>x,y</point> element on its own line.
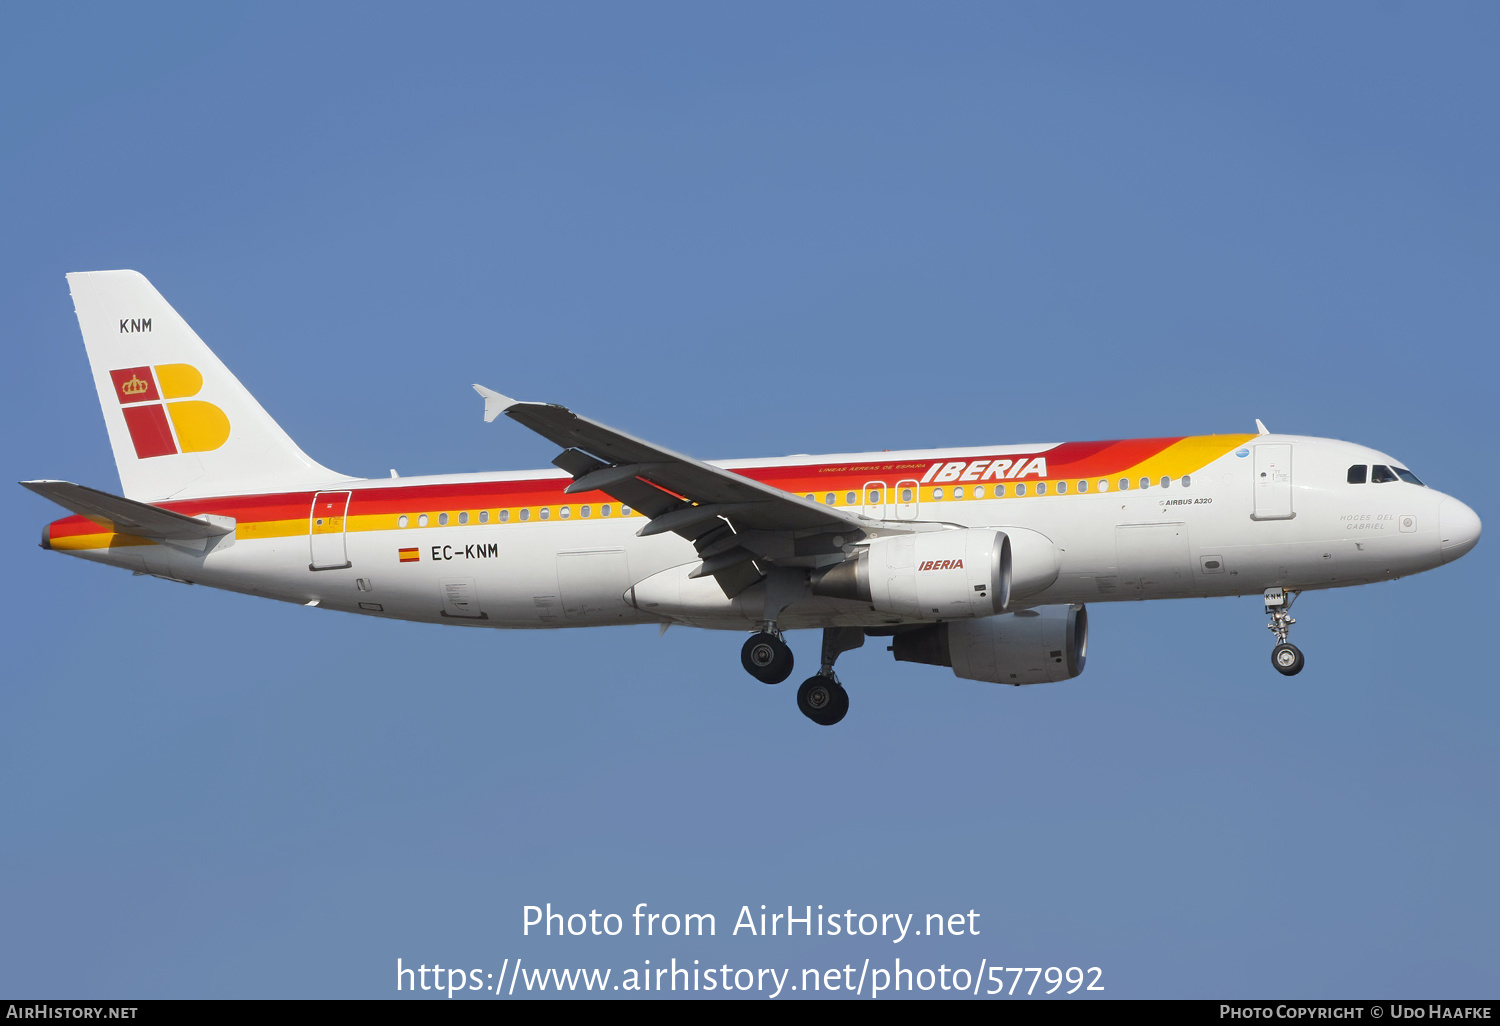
<point>985,470</point>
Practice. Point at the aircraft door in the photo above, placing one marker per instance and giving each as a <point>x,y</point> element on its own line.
<point>1273,481</point>
<point>325,529</point>
<point>908,495</point>
<point>874,499</point>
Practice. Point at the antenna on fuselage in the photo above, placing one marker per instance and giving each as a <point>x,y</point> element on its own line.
<point>1261,428</point>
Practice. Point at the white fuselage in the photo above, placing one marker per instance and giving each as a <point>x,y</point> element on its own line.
<point>1203,539</point>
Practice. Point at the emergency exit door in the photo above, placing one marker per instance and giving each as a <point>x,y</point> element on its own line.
<point>325,530</point>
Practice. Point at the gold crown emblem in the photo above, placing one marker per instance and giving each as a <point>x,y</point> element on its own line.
<point>135,386</point>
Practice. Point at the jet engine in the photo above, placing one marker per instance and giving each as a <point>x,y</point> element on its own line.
<point>1029,646</point>
<point>933,575</point>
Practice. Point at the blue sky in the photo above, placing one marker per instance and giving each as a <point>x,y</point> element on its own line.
<point>744,231</point>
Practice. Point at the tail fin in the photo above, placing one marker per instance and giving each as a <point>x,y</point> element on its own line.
<point>181,425</point>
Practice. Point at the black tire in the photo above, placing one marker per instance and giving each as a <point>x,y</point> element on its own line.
<point>1287,659</point>
<point>823,700</point>
<point>767,658</point>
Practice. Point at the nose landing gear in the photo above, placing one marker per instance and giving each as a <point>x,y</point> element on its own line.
<point>1286,657</point>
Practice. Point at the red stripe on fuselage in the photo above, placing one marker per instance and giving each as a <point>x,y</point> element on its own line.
<point>1070,459</point>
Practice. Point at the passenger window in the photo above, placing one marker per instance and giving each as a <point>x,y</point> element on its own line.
<point>1145,482</point>
<point>586,511</point>
<point>979,491</point>
<point>1020,489</point>
<point>546,513</point>
<point>484,516</point>
<point>1358,473</point>
<point>402,520</point>
<point>604,510</point>
<point>624,510</point>
<point>565,512</point>
<point>1124,484</point>
<point>1382,475</point>
<point>999,491</point>
<point>505,516</point>
<point>1062,488</point>
<point>937,493</point>
<point>422,520</point>
<point>1186,480</point>
<point>1103,485</point>
<point>442,520</point>
<point>828,499</point>
<point>463,518</point>
<point>1166,482</point>
<point>848,498</point>
<point>1408,476</point>
<point>1083,486</point>
<point>525,514</point>
<point>906,495</point>
<point>1041,487</point>
<point>873,497</point>
<point>958,492</point>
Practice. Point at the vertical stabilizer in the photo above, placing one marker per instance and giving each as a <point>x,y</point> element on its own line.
<point>180,424</point>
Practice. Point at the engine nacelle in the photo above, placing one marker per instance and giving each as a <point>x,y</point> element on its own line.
<point>936,575</point>
<point>1029,646</point>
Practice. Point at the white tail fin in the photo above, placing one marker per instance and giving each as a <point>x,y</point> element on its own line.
<point>180,424</point>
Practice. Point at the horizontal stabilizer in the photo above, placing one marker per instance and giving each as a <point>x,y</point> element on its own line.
<point>126,516</point>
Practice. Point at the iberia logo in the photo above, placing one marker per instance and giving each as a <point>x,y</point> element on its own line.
<point>164,428</point>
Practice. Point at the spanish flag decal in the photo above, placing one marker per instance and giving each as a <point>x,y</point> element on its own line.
<point>409,555</point>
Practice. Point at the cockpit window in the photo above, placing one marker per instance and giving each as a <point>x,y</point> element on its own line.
<point>1408,476</point>
<point>1358,473</point>
<point>1383,475</point>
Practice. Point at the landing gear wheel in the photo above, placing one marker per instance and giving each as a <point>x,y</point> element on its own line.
<point>767,658</point>
<point>1287,659</point>
<point>823,700</point>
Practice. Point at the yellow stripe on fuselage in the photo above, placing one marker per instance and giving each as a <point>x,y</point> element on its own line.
<point>102,540</point>
<point>1184,457</point>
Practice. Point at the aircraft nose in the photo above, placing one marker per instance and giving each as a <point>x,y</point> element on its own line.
<point>1459,529</point>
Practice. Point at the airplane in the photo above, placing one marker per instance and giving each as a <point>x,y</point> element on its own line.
<point>978,559</point>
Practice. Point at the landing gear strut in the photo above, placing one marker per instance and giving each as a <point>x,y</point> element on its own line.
<point>765,656</point>
<point>1286,657</point>
<point>822,698</point>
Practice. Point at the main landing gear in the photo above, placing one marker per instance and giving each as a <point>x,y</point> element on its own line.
<point>1286,657</point>
<point>766,657</point>
<point>821,697</point>
<point>823,700</point>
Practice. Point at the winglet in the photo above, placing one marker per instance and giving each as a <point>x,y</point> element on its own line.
<point>494,403</point>
<point>1258,425</point>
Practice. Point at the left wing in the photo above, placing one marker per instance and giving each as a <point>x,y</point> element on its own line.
<point>737,525</point>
